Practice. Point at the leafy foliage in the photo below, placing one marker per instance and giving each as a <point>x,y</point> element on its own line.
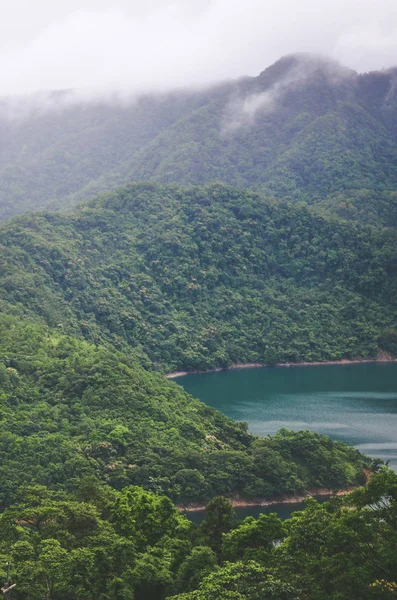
<point>72,412</point>
<point>305,130</point>
<point>204,278</point>
<point>340,550</point>
<point>133,544</point>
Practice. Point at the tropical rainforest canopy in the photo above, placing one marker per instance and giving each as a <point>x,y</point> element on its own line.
<point>205,277</point>
<point>99,301</point>
<point>133,544</point>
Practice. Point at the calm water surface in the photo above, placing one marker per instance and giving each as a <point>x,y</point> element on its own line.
<point>351,403</point>
<point>356,404</point>
<point>284,511</point>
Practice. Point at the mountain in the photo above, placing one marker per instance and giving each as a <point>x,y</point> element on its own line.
<point>98,301</point>
<point>52,147</point>
<point>205,277</point>
<point>71,411</point>
<point>304,130</point>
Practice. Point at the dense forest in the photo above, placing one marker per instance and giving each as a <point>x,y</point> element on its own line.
<point>71,411</point>
<point>297,261</point>
<point>304,130</point>
<point>205,277</point>
<point>94,448</point>
<point>104,544</point>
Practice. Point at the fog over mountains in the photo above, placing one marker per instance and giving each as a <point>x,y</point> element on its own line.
<point>130,45</point>
<point>306,130</point>
<point>251,222</point>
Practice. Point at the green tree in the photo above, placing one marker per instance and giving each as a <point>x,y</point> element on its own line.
<point>220,519</point>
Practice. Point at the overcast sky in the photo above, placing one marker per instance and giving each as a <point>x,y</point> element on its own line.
<point>145,44</point>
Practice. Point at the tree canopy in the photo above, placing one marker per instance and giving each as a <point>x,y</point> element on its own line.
<point>71,411</point>
<point>206,277</point>
<point>133,544</point>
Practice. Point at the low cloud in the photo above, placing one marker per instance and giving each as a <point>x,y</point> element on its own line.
<point>100,46</point>
<point>242,110</point>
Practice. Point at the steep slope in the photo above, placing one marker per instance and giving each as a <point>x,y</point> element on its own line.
<point>205,277</point>
<point>303,130</point>
<point>71,411</point>
<point>271,129</point>
<point>53,146</point>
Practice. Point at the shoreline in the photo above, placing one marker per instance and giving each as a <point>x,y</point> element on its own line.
<point>237,503</point>
<point>235,366</point>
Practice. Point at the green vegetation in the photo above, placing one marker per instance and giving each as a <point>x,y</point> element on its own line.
<point>96,304</point>
<point>47,156</point>
<point>322,134</point>
<point>362,205</point>
<point>204,278</point>
<point>340,550</point>
<point>103,544</point>
<point>71,411</point>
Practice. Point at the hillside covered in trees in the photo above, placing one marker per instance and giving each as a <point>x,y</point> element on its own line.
<point>305,130</point>
<point>205,277</point>
<point>131,544</point>
<point>94,448</point>
<point>71,411</point>
<point>297,261</point>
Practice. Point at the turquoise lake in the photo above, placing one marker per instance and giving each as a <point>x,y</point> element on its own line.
<point>354,403</point>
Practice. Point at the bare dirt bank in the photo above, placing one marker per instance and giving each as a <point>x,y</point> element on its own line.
<point>382,358</point>
<point>238,503</point>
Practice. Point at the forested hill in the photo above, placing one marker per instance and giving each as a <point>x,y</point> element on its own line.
<point>72,412</point>
<point>205,277</point>
<point>306,130</point>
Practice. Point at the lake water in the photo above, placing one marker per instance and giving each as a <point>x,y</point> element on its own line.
<point>354,403</point>
<point>284,511</point>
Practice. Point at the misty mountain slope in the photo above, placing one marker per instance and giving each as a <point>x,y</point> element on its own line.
<point>303,130</point>
<point>205,277</point>
<point>345,149</point>
<point>315,137</point>
<point>51,148</point>
<point>236,136</point>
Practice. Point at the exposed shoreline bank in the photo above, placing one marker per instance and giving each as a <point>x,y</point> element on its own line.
<point>343,361</point>
<point>238,503</point>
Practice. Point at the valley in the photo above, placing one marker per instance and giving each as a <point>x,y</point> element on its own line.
<point>194,232</point>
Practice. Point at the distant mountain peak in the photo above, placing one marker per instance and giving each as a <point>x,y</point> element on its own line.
<point>308,64</point>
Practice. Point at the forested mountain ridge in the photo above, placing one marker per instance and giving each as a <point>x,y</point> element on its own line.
<point>52,146</point>
<point>95,443</point>
<point>71,411</point>
<point>305,130</point>
<point>205,277</point>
